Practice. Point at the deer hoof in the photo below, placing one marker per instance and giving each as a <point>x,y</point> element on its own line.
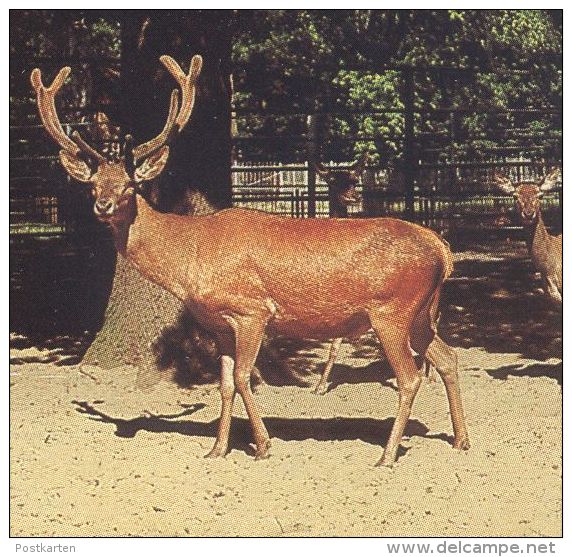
<point>321,389</point>
<point>216,452</point>
<point>387,461</point>
<point>462,444</point>
<point>263,452</point>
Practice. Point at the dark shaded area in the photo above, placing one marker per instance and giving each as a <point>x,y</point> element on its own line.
<point>369,430</point>
<point>186,347</point>
<point>552,371</point>
<point>376,372</point>
<point>191,351</point>
<point>59,287</point>
<point>201,155</point>
<point>499,305</point>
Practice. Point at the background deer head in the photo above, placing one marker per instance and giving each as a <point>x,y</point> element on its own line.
<point>115,180</point>
<point>527,195</point>
<point>342,183</point>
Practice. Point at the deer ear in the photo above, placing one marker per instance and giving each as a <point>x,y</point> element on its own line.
<point>359,166</point>
<point>504,183</point>
<point>75,167</point>
<point>152,166</point>
<point>551,180</point>
<point>322,170</point>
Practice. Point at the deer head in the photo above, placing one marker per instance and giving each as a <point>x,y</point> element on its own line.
<point>342,183</point>
<point>114,181</point>
<point>527,195</point>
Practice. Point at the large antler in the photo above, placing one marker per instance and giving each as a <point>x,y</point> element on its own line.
<point>49,116</point>
<point>503,182</point>
<point>47,107</point>
<point>176,119</point>
<point>551,180</point>
<point>74,145</point>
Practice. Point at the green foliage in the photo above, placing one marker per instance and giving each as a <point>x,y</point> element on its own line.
<point>346,63</point>
<point>50,38</point>
<point>304,60</point>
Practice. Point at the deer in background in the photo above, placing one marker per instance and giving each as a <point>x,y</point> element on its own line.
<point>342,193</point>
<point>545,250</point>
<point>342,185</point>
<point>242,272</point>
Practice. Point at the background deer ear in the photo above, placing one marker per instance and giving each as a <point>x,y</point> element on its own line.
<point>75,167</point>
<point>504,183</point>
<point>359,166</point>
<point>153,165</point>
<point>322,170</point>
<point>551,180</point>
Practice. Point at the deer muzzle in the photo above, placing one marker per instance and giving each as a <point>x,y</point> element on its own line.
<point>528,217</point>
<point>104,207</point>
<point>350,197</point>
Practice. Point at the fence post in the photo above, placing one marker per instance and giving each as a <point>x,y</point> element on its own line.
<point>409,168</point>
<point>312,156</point>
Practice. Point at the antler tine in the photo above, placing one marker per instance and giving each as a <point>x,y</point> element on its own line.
<point>145,149</point>
<point>128,154</point>
<point>550,181</point>
<point>47,107</point>
<point>87,149</point>
<point>321,169</point>
<point>177,119</point>
<point>503,182</point>
<point>186,83</point>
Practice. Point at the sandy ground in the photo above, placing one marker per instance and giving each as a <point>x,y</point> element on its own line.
<point>93,456</point>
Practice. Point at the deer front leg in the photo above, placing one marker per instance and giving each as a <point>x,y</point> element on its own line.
<point>248,338</point>
<point>552,292</point>
<point>227,392</point>
<point>322,386</point>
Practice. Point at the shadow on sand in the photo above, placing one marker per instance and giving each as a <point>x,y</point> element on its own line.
<point>498,305</point>
<point>550,370</point>
<point>369,430</point>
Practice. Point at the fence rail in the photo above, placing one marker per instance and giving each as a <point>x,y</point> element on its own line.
<point>428,163</point>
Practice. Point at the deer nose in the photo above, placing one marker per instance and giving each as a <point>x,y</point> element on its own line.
<point>104,206</point>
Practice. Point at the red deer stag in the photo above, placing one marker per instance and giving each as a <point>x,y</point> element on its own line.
<point>545,250</point>
<point>241,272</point>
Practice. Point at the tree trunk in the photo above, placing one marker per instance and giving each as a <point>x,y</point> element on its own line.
<point>145,325</point>
<point>200,156</point>
<point>136,315</point>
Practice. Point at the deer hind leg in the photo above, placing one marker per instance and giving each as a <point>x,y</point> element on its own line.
<point>430,372</point>
<point>322,386</point>
<point>440,355</point>
<point>395,341</point>
<point>257,380</point>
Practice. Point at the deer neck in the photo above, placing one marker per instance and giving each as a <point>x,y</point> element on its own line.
<point>536,237</point>
<point>337,208</point>
<point>141,240</point>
